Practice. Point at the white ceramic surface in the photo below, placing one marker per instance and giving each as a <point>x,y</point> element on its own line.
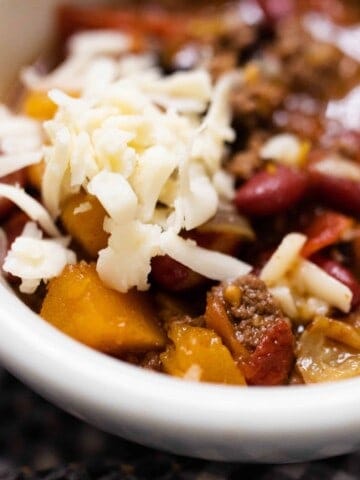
<point>221,423</point>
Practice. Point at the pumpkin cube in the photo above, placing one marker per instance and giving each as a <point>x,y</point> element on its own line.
<point>39,106</point>
<point>198,354</point>
<point>34,174</point>
<point>83,217</point>
<point>80,305</point>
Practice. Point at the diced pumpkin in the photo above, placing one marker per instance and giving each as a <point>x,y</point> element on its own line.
<point>39,106</point>
<point>83,217</point>
<point>34,174</point>
<point>198,354</point>
<point>80,305</point>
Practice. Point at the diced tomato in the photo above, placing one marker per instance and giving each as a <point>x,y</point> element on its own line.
<point>151,22</point>
<point>326,229</point>
<point>272,359</point>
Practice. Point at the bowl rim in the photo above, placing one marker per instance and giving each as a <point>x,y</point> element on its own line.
<point>56,365</point>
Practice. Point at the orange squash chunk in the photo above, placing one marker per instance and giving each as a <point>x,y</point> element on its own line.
<point>198,354</point>
<point>86,224</point>
<point>80,305</point>
<point>39,106</point>
<point>34,174</point>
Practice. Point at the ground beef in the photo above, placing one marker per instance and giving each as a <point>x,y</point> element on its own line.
<point>222,62</point>
<point>312,66</point>
<point>244,163</point>
<point>252,326</point>
<point>254,313</point>
<point>256,102</point>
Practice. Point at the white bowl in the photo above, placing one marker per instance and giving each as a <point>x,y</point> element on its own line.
<point>279,424</point>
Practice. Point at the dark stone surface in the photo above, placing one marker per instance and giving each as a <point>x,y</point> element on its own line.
<point>39,441</point>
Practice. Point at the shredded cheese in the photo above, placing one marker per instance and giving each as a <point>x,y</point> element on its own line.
<point>283,258</point>
<point>319,284</point>
<point>115,195</point>
<point>345,39</point>
<point>34,259</point>
<point>30,206</point>
<point>213,265</point>
<point>284,148</point>
<point>336,166</point>
<point>20,142</point>
<point>346,110</point>
<point>136,143</point>
<point>301,287</point>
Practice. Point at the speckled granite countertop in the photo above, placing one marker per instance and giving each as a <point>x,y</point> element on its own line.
<point>39,441</point>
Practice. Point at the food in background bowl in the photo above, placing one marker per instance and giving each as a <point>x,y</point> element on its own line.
<point>211,159</point>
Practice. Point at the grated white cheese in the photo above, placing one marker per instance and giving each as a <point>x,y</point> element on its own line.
<point>20,142</point>
<point>133,143</point>
<point>345,39</point>
<point>319,284</point>
<point>153,170</point>
<point>336,166</point>
<point>346,110</point>
<point>284,296</point>
<point>224,184</point>
<point>215,128</point>
<point>213,265</point>
<point>125,263</point>
<point>182,91</point>
<point>85,50</point>
<point>302,288</point>
<point>116,196</point>
<point>99,42</point>
<point>30,206</point>
<point>283,259</point>
<point>10,163</point>
<point>34,259</point>
<point>284,148</point>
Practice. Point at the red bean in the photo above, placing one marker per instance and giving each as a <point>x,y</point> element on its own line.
<point>268,193</point>
<point>275,10</point>
<point>340,273</point>
<point>16,178</point>
<point>341,193</point>
<point>172,275</point>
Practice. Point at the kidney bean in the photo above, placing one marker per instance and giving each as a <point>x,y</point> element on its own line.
<point>268,193</point>
<point>340,273</point>
<point>172,275</point>
<point>275,10</point>
<point>16,178</point>
<point>341,193</point>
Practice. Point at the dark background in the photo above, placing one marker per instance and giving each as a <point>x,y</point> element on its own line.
<point>37,440</point>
